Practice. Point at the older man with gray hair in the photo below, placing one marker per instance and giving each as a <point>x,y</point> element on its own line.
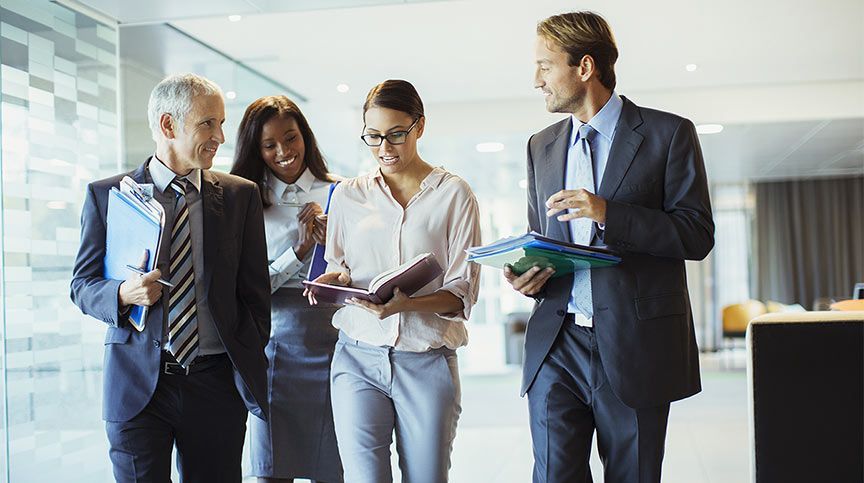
<point>189,376</point>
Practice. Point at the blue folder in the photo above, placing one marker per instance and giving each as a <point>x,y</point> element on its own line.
<point>131,229</point>
<point>524,251</point>
<point>536,240</point>
<point>318,264</point>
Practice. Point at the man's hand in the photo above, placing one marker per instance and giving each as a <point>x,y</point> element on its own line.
<point>581,202</point>
<point>330,278</point>
<point>530,282</point>
<point>141,289</point>
<point>399,303</point>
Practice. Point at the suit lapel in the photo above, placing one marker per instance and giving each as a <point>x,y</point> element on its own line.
<point>624,147</point>
<point>140,174</point>
<point>553,181</point>
<point>212,204</point>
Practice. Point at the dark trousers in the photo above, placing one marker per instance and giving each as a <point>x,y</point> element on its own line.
<point>569,399</point>
<point>201,413</point>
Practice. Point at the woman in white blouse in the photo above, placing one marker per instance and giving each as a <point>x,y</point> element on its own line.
<point>395,367</point>
<point>277,150</point>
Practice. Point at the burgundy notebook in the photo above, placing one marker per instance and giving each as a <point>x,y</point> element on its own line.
<point>410,277</point>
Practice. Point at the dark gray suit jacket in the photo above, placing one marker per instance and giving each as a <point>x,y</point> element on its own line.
<point>235,273</point>
<point>658,214</point>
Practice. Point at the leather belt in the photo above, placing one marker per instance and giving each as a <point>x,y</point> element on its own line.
<point>200,363</point>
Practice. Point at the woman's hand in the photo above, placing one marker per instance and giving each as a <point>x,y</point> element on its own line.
<point>305,240</point>
<point>319,229</point>
<point>399,303</point>
<point>330,278</point>
<point>308,213</point>
<point>306,228</point>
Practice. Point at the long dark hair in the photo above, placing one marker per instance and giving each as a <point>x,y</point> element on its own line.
<point>247,157</point>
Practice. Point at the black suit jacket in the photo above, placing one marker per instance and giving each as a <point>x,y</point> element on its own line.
<point>238,287</point>
<point>658,214</point>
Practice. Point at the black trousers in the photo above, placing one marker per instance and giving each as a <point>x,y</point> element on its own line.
<point>570,399</point>
<point>201,413</point>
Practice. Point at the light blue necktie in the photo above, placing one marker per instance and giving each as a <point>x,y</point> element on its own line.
<point>581,228</point>
<point>182,311</point>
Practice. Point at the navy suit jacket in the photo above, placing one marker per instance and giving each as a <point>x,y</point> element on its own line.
<point>657,215</point>
<point>237,281</point>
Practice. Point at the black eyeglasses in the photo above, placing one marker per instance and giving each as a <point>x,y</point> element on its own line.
<point>395,137</point>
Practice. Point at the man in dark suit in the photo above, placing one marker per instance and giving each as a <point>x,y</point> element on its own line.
<point>608,349</point>
<point>189,377</point>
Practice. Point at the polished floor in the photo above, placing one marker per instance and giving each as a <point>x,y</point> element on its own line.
<point>707,440</point>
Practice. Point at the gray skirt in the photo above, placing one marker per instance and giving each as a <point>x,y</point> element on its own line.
<point>299,440</point>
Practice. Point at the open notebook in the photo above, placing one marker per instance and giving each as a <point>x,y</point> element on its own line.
<point>410,277</point>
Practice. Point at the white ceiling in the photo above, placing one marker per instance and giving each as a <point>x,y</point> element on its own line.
<point>785,78</point>
<point>482,49</point>
<point>131,12</point>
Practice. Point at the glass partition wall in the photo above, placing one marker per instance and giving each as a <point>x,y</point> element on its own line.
<point>60,130</point>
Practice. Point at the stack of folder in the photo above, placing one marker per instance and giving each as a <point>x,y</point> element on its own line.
<point>532,249</point>
<point>135,224</point>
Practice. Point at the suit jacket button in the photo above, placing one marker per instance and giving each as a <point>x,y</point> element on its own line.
<point>156,343</point>
<point>561,313</point>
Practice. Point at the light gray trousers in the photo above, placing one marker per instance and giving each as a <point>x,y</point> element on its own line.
<point>376,391</point>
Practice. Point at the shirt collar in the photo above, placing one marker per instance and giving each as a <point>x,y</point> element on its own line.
<point>433,179</point>
<point>604,122</point>
<point>162,175</point>
<point>304,182</point>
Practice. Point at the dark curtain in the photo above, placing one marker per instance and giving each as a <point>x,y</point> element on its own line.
<point>809,239</point>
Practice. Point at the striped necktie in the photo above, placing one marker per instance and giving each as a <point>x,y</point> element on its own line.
<point>182,311</point>
<point>580,228</point>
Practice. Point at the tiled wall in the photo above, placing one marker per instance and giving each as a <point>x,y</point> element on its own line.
<point>58,73</point>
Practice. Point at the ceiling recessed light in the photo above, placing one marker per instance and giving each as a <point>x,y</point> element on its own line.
<point>709,128</point>
<point>343,88</point>
<point>691,67</point>
<point>230,95</point>
<point>235,18</point>
<point>489,147</point>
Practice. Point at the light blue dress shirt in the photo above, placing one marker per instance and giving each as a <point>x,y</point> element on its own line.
<point>604,123</point>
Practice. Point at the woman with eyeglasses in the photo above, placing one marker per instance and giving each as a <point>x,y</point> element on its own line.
<point>277,150</point>
<point>395,367</point>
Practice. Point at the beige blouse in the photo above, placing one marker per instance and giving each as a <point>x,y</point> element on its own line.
<point>369,232</point>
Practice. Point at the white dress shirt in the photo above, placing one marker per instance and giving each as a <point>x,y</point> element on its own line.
<point>282,229</point>
<point>369,232</point>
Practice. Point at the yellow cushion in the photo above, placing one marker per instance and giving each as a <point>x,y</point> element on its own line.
<point>736,317</point>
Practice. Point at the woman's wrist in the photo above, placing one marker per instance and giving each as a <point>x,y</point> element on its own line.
<point>301,250</point>
<point>405,305</point>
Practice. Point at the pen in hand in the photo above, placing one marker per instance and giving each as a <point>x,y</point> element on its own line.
<point>144,272</point>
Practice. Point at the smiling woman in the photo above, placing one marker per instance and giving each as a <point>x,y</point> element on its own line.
<point>277,150</point>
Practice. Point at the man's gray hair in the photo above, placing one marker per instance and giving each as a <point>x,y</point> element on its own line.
<point>174,96</point>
